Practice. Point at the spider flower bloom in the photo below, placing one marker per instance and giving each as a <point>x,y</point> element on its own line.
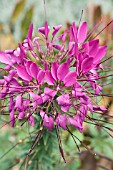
<point>53,80</point>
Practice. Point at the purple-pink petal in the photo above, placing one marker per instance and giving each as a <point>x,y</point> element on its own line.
<point>70,79</point>
<point>100,54</point>
<point>62,71</point>
<point>12,118</point>
<point>57,46</point>
<point>49,78</point>
<point>45,97</point>
<point>47,121</point>
<point>93,47</point>
<point>87,64</point>
<point>42,30</point>
<point>31,120</point>
<point>40,76</point>
<point>64,100</point>
<point>22,73</point>
<point>46,29</point>
<point>4,92</point>
<point>56,29</point>
<point>30,31</point>
<point>54,69</point>
<point>28,64</point>
<point>5,58</point>
<point>74,31</point>
<point>61,121</point>
<point>21,115</point>
<point>34,69</point>
<point>75,122</point>
<point>99,108</point>
<point>82,32</point>
<point>49,92</point>
<point>65,108</point>
<point>36,98</point>
<point>18,103</point>
<point>22,53</point>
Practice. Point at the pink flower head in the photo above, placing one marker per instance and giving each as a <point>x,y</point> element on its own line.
<point>58,82</point>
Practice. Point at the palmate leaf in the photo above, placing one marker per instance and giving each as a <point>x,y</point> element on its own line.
<point>44,155</point>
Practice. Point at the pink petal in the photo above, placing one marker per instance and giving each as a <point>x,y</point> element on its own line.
<point>22,73</point>
<point>61,121</point>
<point>98,89</point>
<point>11,104</point>
<point>49,92</point>
<point>54,70</point>
<point>21,115</point>
<point>82,32</point>
<point>78,92</point>
<point>22,53</point>
<point>71,48</point>
<point>4,92</point>
<point>71,45</point>
<point>26,103</point>
<point>30,45</point>
<point>93,47</point>
<point>40,76</point>
<point>65,108</point>
<point>47,121</point>
<point>64,36</point>
<point>18,103</point>
<point>45,97</point>
<point>30,31</point>
<point>2,81</point>
<point>42,114</point>
<point>36,98</point>
<point>28,64</point>
<point>56,29</point>
<point>34,69</point>
<point>100,54</point>
<point>62,71</point>
<point>87,64</point>
<point>12,118</point>
<point>49,78</point>
<point>46,29</point>
<point>98,108</point>
<point>31,120</point>
<point>7,67</point>
<point>74,30</point>
<point>5,58</point>
<point>76,122</point>
<point>64,100</point>
<point>57,46</point>
<point>70,79</point>
<point>50,125</point>
<point>42,30</point>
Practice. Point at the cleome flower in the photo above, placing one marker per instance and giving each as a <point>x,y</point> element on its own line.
<point>53,79</point>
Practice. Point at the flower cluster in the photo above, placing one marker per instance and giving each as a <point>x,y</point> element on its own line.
<point>54,76</point>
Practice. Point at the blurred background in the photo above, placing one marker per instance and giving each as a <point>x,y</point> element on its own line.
<point>15,17</point>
